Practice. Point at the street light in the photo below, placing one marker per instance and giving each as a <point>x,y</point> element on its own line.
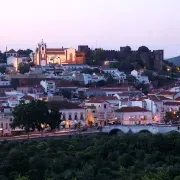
<point>42,126</point>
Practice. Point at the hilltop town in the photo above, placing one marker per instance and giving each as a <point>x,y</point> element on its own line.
<point>90,88</point>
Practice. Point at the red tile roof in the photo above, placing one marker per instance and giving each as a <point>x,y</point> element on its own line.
<point>132,109</point>
<point>155,91</point>
<point>154,98</point>
<point>172,103</point>
<point>55,49</point>
<point>177,99</point>
<point>94,101</point>
<point>102,99</point>
<point>167,93</point>
<point>11,51</point>
<point>138,98</point>
<point>162,98</point>
<point>27,98</point>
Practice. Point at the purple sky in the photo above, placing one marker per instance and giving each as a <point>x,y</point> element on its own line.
<point>112,23</point>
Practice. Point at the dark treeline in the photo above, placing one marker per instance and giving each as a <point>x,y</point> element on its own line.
<point>98,157</point>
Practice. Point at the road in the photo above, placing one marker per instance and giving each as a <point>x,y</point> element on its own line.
<point>48,134</point>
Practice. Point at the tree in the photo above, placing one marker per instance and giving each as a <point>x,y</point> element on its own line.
<point>19,177</point>
<point>169,116</point>
<point>25,52</point>
<point>23,68</point>
<point>22,118</point>
<point>98,56</point>
<point>66,94</point>
<point>126,160</point>
<point>30,116</point>
<point>2,69</point>
<point>54,119</point>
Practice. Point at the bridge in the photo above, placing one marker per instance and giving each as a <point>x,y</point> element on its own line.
<point>123,129</point>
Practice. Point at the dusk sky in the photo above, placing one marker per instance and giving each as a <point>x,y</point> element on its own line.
<point>110,23</point>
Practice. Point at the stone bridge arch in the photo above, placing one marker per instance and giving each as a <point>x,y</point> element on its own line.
<point>116,131</point>
<point>144,131</point>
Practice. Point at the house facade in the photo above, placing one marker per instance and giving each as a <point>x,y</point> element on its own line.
<point>133,116</point>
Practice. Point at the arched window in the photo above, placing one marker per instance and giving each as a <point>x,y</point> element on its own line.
<point>81,116</point>
<point>64,116</point>
<point>70,117</point>
<point>75,116</point>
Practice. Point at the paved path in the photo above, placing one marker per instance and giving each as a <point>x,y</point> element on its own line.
<point>50,134</point>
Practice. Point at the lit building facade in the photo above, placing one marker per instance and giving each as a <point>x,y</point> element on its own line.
<point>44,55</point>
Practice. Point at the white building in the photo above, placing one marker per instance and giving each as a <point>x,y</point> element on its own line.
<point>49,86</point>
<point>104,111</point>
<point>5,118</point>
<point>11,52</point>
<point>73,115</point>
<point>139,77</point>
<point>155,105</point>
<point>142,79</point>
<point>135,73</point>
<point>95,77</point>
<point>13,102</point>
<point>14,94</point>
<point>116,74</point>
<point>175,89</point>
<point>133,116</point>
<point>172,106</point>
<point>5,83</point>
<point>75,66</point>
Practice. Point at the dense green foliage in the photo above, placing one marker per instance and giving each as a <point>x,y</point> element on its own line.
<point>24,68</point>
<point>96,157</point>
<point>25,52</point>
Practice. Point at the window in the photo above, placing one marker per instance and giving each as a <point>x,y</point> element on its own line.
<point>6,125</point>
<point>81,117</point>
<point>104,106</point>
<point>70,117</point>
<point>64,117</point>
<point>75,117</point>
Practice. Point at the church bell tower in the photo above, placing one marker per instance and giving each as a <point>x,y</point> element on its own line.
<point>42,53</point>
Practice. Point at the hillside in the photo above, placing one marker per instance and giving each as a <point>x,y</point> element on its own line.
<point>175,60</point>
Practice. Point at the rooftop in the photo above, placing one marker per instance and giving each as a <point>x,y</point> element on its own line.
<point>172,103</point>
<point>168,93</point>
<point>11,51</point>
<point>132,109</point>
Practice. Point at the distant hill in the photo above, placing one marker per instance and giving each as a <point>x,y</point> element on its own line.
<point>174,60</point>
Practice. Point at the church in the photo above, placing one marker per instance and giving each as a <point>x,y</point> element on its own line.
<point>44,55</point>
